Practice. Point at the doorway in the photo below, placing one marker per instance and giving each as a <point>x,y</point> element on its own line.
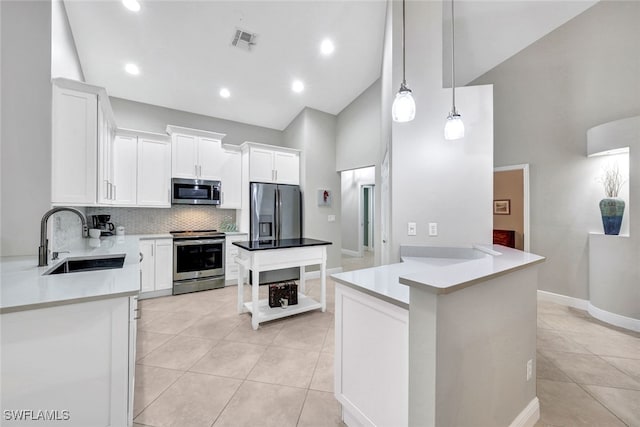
<point>511,206</point>
<point>358,218</point>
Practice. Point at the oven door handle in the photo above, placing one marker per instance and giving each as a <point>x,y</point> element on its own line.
<point>197,242</point>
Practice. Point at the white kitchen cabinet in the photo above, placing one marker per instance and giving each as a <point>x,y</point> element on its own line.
<point>74,147</point>
<point>124,160</point>
<point>195,154</point>
<point>273,164</point>
<point>231,252</point>
<point>231,178</point>
<point>154,173</point>
<point>78,358</point>
<point>105,158</point>
<point>156,266</point>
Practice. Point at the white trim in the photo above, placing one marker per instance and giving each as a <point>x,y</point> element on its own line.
<point>155,294</point>
<point>581,304</point>
<point>350,252</point>
<point>173,129</point>
<point>529,415</point>
<point>316,274</point>
<point>526,199</point>
<point>613,318</point>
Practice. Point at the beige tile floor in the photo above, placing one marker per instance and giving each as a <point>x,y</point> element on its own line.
<point>199,363</point>
<point>350,263</point>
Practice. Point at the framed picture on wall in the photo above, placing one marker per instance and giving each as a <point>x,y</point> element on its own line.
<point>324,197</point>
<point>502,207</point>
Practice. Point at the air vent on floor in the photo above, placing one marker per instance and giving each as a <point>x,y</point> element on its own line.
<point>244,39</point>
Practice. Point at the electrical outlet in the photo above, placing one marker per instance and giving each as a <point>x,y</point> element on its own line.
<point>412,229</point>
<point>332,218</point>
<point>529,369</point>
<point>433,229</point>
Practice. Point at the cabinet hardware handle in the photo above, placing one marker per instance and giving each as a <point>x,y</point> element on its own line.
<point>141,258</point>
<point>106,189</point>
<point>200,170</point>
<point>196,169</point>
<point>276,174</point>
<point>152,250</point>
<point>115,191</point>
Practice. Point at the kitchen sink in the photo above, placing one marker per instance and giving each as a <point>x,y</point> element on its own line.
<point>90,263</point>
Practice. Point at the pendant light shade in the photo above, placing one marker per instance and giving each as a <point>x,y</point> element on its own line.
<point>404,107</point>
<point>453,128</point>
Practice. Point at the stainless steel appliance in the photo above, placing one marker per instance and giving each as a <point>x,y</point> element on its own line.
<point>276,213</point>
<point>195,192</point>
<point>198,260</point>
<point>101,222</point>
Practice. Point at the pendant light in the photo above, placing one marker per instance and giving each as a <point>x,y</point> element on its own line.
<point>454,128</point>
<point>404,107</point>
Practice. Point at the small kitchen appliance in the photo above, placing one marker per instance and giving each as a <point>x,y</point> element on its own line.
<point>101,222</point>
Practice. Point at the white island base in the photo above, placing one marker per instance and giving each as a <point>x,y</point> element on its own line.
<point>275,259</point>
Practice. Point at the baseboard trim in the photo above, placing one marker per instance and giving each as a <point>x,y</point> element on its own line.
<point>155,294</point>
<point>529,415</point>
<point>349,252</point>
<point>614,319</point>
<point>316,274</point>
<point>578,303</point>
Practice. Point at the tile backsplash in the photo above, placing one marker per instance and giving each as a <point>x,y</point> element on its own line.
<point>159,220</point>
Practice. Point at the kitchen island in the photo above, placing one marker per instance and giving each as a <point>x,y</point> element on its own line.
<point>68,340</point>
<point>258,256</point>
<point>453,331</point>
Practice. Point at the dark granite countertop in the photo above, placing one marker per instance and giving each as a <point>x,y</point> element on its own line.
<point>260,245</point>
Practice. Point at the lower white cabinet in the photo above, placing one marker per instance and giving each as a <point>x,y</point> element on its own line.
<point>373,391</point>
<point>231,252</point>
<point>156,267</point>
<point>75,359</point>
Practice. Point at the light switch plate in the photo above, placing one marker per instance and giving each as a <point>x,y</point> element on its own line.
<point>331,218</point>
<point>412,229</point>
<point>433,229</point>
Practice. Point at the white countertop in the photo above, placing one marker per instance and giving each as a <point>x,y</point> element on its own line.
<point>23,287</point>
<point>440,275</point>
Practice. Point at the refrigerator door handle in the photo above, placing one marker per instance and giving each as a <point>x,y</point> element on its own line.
<point>278,214</point>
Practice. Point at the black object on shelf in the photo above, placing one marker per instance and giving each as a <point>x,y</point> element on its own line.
<point>285,291</point>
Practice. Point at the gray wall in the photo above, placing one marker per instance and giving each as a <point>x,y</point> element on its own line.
<point>358,131</point>
<point>585,73</point>
<point>314,132</point>
<point>153,118</point>
<point>25,46</point>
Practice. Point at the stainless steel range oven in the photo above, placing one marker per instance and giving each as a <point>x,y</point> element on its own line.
<point>198,260</point>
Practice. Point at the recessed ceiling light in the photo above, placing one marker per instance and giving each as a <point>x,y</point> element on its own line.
<point>297,86</point>
<point>132,5</point>
<point>132,69</point>
<point>327,47</point>
<point>224,92</point>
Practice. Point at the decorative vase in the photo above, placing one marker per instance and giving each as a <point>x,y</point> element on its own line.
<point>612,210</point>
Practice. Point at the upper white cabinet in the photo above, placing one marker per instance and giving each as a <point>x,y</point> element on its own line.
<point>106,135</point>
<point>272,164</point>
<point>195,153</point>
<point>154,172</point>
<point>124,163</point>
<point>231,178</point>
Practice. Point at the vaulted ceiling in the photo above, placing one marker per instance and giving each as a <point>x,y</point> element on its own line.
<point>185,54</point>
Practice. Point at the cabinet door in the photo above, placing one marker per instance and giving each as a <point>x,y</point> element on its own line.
<point>287,167</point>
<point>261,165</point>
<point>74,147</point>
<point>154,173</point>
<point>147,266</point>
<point>184,156</point>
<point>125,164</point>
<point>231,179</point>
<point>209,162</point>
<point>105,157</point>
<point>164,264</point>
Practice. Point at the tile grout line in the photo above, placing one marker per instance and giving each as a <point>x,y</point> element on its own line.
<point>586,390</point>
<point>228,401</point>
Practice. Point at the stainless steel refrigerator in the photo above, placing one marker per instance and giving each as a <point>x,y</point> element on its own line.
<point>276,214</point>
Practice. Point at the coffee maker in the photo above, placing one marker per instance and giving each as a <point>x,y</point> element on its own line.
<point>101,222</point>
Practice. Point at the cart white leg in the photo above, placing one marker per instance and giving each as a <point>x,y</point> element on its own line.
<point>241,274</point>
<point>323,284</point>
<point>303,289</point>
<point>255,300</point>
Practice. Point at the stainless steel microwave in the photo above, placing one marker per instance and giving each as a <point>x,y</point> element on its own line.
<point>195,192</point>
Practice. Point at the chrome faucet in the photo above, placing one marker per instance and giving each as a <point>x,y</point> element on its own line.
<point>43,250</point>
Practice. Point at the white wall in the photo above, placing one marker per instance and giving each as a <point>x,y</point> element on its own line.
<point>64,56</point>
<point>581,75</point>
<point>153,118</point>
<point>358,131</point>
<point>314,132</point>
<point>433,180</point>
<point>351,183</point>
<point>26,123</point>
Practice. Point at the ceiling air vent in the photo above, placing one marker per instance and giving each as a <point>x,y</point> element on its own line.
<point>244,39</point>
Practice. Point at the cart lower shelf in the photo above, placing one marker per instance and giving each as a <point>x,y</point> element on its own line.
<point>266,313</point>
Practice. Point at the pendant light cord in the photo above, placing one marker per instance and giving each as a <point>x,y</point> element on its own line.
<point>404,80</point>
<point>453,60</point>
